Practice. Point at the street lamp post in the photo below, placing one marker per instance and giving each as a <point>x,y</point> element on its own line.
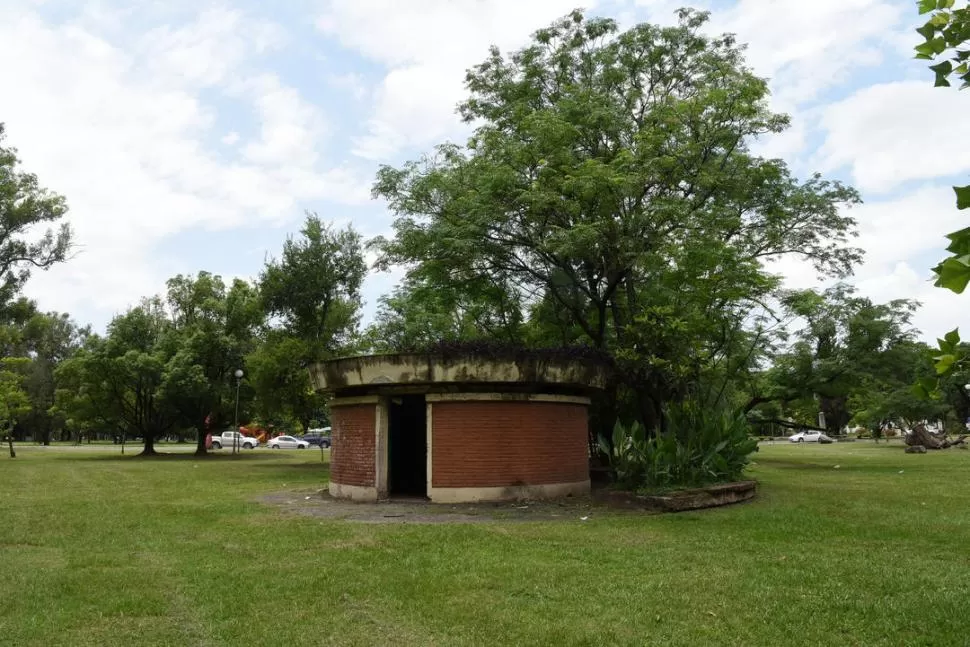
<point>235,437</point>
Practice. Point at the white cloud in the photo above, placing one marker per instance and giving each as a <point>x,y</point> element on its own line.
<point>398,34</point>
<point>207,50</point>
<point>126,134</point>
<point>427,52</point>
<point>352,82</point>
<point>807,47</point>
<point>941,310</point>
<point>405,118</point>
<point>909,226</point>
<point>785,145</point>
<point>291,128</point>
<point>891,133</point>
<point>903,238</point>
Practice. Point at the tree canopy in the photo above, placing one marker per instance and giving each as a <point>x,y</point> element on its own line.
<point>609,180</point>
<point>24,206</point>
<point>849,358</point>
<point>31,343</point>
<point>314,288</point>
<point>311,297</point>
<point>216,327</point>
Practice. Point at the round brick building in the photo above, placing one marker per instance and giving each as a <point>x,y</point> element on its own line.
<point>458,430</point>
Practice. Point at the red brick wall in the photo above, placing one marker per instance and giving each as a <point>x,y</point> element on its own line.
<point>352,454</point>
<point>496,444</point>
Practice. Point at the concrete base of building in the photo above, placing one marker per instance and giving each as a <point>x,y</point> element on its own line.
<point>508,493</point>
<point>353,492</point>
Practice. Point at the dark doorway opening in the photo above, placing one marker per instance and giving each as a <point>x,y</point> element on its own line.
<point>407,446</point>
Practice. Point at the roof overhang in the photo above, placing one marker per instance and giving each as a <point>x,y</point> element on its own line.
<point>533,373</point>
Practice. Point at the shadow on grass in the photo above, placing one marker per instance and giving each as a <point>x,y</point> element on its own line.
<point>836,466</point>
<point>793,465</point>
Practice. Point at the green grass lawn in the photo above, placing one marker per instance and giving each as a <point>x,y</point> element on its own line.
<point>96,549</point>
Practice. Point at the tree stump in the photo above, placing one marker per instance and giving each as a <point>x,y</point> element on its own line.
<point>915,449</point>
<point>919,436</point>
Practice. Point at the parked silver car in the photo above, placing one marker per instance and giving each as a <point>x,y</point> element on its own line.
<point>288,442</point>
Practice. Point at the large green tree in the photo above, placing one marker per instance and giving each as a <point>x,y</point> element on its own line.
<point>124,380</point>
<point>215,327</point>
<point>887,394</point>
<point>422,312</point>
<point>26,207</point>
<point>48,339</point>
<point>14,402</point>
<point>311,297</point>
<point>278,375</point>
<point>609,180</point>
<point>848,357</point>
<point>314,287</point>
<point>14,357</point>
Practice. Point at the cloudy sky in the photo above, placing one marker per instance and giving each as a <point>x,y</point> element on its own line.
<point>191,135</point>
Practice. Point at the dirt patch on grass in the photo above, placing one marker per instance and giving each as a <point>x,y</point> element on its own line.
<point>320,504</point>
<point>600,503</point>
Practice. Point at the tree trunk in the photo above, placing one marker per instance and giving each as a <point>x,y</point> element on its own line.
<point>149,445</point>
<point>13,454</point>
<point>753,402</point>
<point>603,416</point>
<point>836,414</point>
<point>961,441</point>
<point>201,431</point>
<point>920,436</point>
<point>649,410</point>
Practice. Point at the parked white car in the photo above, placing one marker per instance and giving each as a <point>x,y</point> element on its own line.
<point>288,442</point>
<point>810,436</point>
<point>231,438</point>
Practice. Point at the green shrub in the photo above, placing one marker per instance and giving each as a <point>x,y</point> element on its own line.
<point>697,447</point>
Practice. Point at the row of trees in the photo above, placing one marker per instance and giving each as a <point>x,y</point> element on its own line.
<point>167,366</point>
<point>32,343</point>
<point>608,197</point>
